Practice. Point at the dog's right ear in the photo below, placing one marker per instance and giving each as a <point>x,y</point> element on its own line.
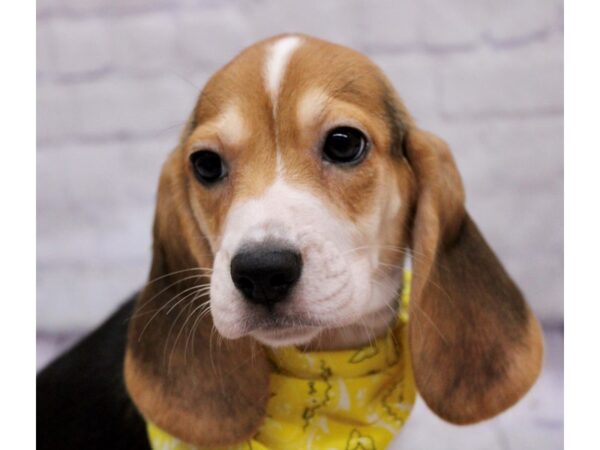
<point>181,375</point>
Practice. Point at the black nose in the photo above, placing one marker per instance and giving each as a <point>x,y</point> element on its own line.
<point>265,273</point>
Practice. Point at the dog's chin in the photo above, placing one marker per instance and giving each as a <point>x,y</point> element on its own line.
<point>282,337</point>
<point>268,331</point>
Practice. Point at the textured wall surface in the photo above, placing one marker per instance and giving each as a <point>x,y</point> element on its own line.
<point>117,78</point>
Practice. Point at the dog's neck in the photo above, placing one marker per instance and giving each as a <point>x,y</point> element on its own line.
<point>355,335</point>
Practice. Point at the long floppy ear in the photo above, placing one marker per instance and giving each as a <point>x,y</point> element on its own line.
<point>475,345</point>
<point>180,374</point>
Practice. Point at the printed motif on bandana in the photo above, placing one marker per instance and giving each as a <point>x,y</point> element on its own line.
<point>351,399</point>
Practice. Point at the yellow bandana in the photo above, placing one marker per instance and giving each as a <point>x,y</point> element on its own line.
<point>350,399</point>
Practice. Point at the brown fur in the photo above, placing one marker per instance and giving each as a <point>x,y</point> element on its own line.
<point>475,345</point>
<point>182,377</point>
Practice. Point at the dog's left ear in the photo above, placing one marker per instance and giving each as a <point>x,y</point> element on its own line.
<point>476,347</point>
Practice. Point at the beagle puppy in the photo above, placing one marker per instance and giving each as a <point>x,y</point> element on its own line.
<point>298,205</point>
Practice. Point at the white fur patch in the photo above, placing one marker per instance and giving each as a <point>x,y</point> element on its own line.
<point>232,125</point>
<point>278,57</point>
<point>311,107</point>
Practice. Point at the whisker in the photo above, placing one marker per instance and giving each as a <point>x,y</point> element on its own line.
<point>196,296</point>
<point>196,289</point>
<point>430,320</point>
<point>176,272</point>
<point>165,306</point>
<point>191,277</point>
<point>201,311</point>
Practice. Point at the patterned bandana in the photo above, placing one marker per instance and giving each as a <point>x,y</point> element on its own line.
<point>350,399</point>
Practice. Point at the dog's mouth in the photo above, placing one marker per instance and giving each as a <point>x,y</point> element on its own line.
<point>279,330</point>
<point>277,337</point>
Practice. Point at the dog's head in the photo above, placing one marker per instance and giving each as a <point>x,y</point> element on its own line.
<point>284,217</point>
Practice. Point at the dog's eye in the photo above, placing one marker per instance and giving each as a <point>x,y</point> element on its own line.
<point>345,145</point>
<point>208,166</point>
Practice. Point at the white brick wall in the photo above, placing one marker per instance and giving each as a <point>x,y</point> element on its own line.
<point>117,78</point>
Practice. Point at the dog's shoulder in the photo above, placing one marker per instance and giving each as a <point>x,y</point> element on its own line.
<point>81,397</point>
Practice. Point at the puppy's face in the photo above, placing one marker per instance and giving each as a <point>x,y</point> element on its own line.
<point>295,174</point>
<point>299,180</point>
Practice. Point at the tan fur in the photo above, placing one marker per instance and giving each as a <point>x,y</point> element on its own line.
<point>476,346</point>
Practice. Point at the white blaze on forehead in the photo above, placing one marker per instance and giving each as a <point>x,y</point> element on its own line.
<point>278,57</point>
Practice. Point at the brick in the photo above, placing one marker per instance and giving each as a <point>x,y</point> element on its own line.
<point>450,24</point>
<point>514,20</point>
<point>117,107</point>
<point>118,7</point>
<point>210,37</point>
<point>89,7</point>
<point>144,43</point>
<point>44,7</point>
<point>103,174</point>
<point>389,26</point>
<point>56,112</point>
<point>206,4</point>
<point>107,175</point>
<point>45,48</point>
<point>96,202</point>
<point>487,83</point>
<point>560,16</point>
<point>82,234</point>
<point>464,23</point>
<point>414,77</point>
<point>333,20</point>
<point>81,45</point>
<point>51,189</point>
<point>79,298</point>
